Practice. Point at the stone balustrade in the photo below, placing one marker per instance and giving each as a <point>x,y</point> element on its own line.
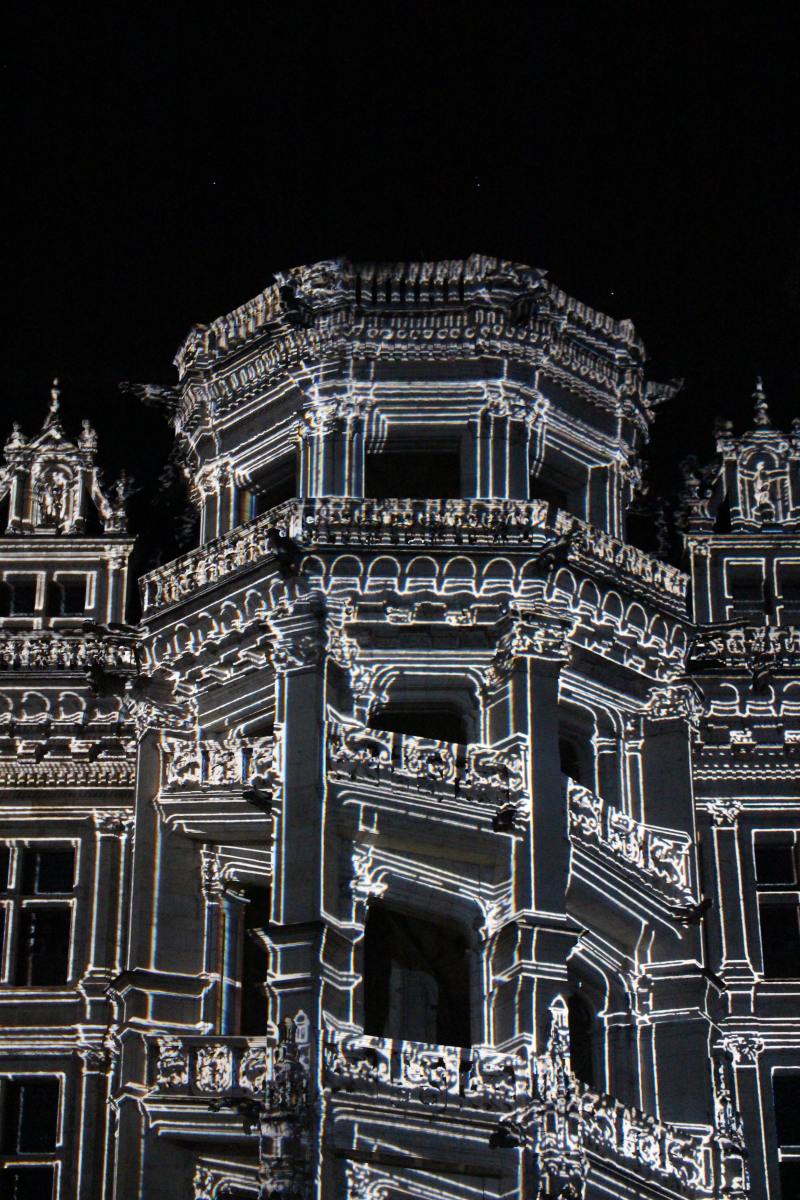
<point>658,856</point>
<point>496,772</point>
<point>747,648</point>
<point>479,1074</point>
<point>207,762</point>
<point>538,1098</point>
<point>33,650</point>
<point>208,1066</point>
<point>339,520</point>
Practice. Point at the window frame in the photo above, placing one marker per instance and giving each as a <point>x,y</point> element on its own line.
<point>14,902</point>
<point>776,893</point>
<point>38,1158</point>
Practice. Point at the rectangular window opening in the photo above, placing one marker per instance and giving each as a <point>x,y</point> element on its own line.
<point>47,871</point>
<point>413,474</point>
<point>43,946</point>
<point>30,1115</point>
<point>780,937</point>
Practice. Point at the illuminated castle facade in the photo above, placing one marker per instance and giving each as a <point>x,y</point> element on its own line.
<point>485,817</point>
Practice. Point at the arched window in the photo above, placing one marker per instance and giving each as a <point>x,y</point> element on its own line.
<point>416,979</point>
<point>582,1023</point>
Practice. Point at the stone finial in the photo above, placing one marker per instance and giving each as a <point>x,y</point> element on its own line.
<point>761,414</point>
<point>55,399</point>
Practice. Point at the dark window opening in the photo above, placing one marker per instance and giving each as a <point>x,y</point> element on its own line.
<point>30,1115</point>
<point>722,521</point>
<point>20,597</point>
<point>575,751</point>
<point>43,946</point>
<point>5,867</point>
<point>46,871</point>
<point>542,489</point>
<point>581,1039</point>
<point>417,474</point>
<point>790,594</point>
<point>66,597</point>
<point>253,1018</point>
<point>27,1183</point>
<point>780,938</point>
<point>746,589</point>
<point>6,599</point>
<point>416,980</point>
<point>775,863</point>
<point>442,724</point>
<point>277,485</point>
<point>786,1096</point>
<point>790,1179</point>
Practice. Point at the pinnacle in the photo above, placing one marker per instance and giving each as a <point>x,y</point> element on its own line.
<point>760,400</point>
<point>55,396</point>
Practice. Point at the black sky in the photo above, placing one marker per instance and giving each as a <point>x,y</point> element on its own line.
<point>161,163</point>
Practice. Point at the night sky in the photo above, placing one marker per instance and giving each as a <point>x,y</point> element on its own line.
<point>162,165</point>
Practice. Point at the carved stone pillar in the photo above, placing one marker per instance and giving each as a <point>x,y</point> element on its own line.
<point>16,501</point>
<point>670,715</point>
<point>745,1050</point>
<point>213,891</point>
<point>503,435</point>
<point>92,1125</point>
<point>529,659</point>
<point>734,963</point>
<point>113,828</point>
<point>632,749</point>
<point>297,885</point>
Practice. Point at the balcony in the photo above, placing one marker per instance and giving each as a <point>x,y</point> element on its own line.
<point>660,858</point>
<point>85,651</point>
<point>540,1104</point>
<point>493,773</point>
<point>342,521</point>
<point>203,1066</point>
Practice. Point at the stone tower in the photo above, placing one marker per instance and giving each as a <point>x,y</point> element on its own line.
<point>415,785</point>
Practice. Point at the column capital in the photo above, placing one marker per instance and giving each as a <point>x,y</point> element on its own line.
<point>675,702</point>
<point>531,633</point>
<point>724,813</point>
<point>744,1048</point>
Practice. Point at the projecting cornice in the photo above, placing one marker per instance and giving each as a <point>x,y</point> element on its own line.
<point>407,312</point>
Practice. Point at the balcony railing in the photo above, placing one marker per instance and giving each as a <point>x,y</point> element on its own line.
<point>540,1101</point>
<point>496,772</point>
<point>47,650</point>
<point>208,1066</point>
<point>338,520</point>
<point>661,857</point>
<point>208,763</point>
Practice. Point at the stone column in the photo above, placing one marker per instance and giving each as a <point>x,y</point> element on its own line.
<point>734,963</point>
<point>92,1123</point>
<point>289,1134</point>
<point>745,1049</point>
<point>212,1005</point>
<point>115,597</point>
<point>112,830</point>
<point>297,885</point>
<point>503,435</point>
<point>670,714</point>
<point>530,657</point>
